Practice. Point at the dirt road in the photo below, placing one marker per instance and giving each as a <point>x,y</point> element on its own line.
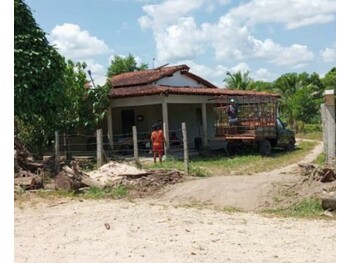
<point>245,192</point>
<point>155,230</point>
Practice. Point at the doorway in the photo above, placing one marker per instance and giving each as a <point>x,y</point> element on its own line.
<point>128,120</point>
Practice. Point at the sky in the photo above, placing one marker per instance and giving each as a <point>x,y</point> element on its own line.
<point>265,37</point>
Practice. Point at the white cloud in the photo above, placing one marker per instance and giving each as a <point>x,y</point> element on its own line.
<point>234,42</point>
<point>161,15</point>
<point>263,74</point>
<point>328,54</point>
<point>178,37</point>
<point>292,13</point>
<point>293,55</point>
<point>215,75</point>
<point>75,43</point>
<point>242,67</point>
<point>179,41</point>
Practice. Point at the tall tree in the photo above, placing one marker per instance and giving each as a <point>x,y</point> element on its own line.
<point>239,80</point>
<point>50,93</point>
<point>38,70</point>
<point>120,65</point>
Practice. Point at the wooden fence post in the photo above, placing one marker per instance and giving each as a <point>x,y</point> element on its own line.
<point>136,149</point>
<point>57,152</point>
<point>186,159</point>
<point>99,141</point>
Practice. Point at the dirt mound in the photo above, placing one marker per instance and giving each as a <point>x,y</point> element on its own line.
<point>113,171</point>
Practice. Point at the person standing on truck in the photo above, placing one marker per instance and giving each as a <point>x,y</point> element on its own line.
<point>232,113</point>
<point>157,138</point>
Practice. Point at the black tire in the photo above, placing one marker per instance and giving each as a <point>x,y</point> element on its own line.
<point>265,147</point>
<point>231,148</point>
<point>290,146</point>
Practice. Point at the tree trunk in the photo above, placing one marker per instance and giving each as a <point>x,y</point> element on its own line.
<point>63,182</point>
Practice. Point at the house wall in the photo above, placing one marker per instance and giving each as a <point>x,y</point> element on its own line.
<point>188,113</point>
<point>179,80</point>
<point>149,114</point>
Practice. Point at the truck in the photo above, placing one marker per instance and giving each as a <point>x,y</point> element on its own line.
<point>255,125</point>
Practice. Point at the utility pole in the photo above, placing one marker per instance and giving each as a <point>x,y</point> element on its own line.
<point>92,80</point>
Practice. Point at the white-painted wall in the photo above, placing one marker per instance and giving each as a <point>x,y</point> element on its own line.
<point>179,80</point>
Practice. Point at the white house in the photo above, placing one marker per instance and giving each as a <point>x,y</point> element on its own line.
<point>169,93</point>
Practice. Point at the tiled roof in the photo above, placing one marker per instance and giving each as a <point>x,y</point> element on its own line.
<point>144,77</point>
<point>143,83</point>
<point>146,90</point>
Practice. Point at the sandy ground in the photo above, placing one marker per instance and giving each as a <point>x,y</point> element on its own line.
<point>165,229</point>
<point>244,192</point>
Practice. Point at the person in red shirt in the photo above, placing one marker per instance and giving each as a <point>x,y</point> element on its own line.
<point>157,139</point>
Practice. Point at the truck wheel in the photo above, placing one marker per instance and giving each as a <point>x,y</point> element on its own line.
<point>231,148</point>
<point>290,146</point>
<point>265,147</point>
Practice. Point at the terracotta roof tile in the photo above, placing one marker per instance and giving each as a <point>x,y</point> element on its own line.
<point>144,77</point>
<point>142,83</point>
<point>146,90</point>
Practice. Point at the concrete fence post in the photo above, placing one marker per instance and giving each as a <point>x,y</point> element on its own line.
<point>328,126</point>
<point>99,153</point>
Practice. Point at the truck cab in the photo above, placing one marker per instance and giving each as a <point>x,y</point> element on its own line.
<point>285,137</point>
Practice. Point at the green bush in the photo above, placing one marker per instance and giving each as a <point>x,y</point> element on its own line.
<point>308,128</point>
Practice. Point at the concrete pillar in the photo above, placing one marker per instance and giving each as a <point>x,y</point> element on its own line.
<point>110,127</point>
<point>328,126</point>
<point>205,125</point>
<point>165,126</point>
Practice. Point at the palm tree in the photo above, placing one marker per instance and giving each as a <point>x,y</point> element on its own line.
<point>238,80</point>
<point>299,98</point>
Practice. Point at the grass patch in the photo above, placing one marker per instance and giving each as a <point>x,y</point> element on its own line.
<point>94,193</point>
<point>249,163</point>
<point>253,162</point>
<point>109,192</point>
<point>119,191</point>
<point>231,209</point>
<point>307,207</point>
<point>55,194</point>
<point>315,135</point>
<point>320,160</point>
<point>90,193</point>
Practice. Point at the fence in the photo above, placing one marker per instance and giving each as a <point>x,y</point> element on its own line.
<point>131,146</point>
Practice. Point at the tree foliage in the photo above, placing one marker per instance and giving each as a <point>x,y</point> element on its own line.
<point>238,80</point>
<point>49,93</point>
<point>301,96</point>
<point>120,65</point>
<point>38,69</point>
<point>329,80</point>
<point>84,106</point>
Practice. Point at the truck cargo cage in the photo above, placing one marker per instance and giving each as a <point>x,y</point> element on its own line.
<point>256,117</point>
